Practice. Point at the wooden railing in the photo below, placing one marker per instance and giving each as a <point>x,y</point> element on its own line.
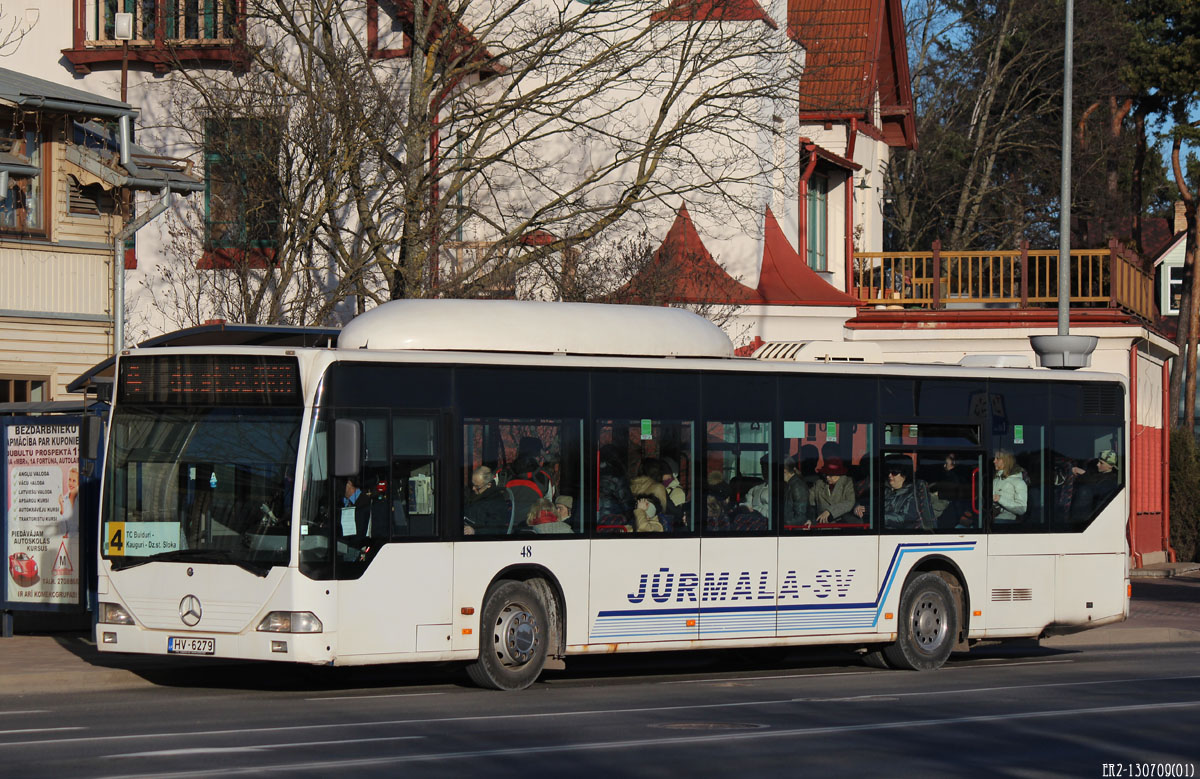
<point>1021,278</point>
<point>179,22</point>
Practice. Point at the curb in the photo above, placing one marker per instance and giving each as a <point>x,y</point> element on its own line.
<point>1123,637</point>
<point>1164,571</point>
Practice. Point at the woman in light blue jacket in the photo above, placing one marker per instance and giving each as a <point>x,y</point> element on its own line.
<point>1010,494</point>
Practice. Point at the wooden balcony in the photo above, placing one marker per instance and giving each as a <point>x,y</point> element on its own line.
<point>1023,278</point>
<point>165,33</point>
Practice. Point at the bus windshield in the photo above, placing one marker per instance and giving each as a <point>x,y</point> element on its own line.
<point>200,485</point>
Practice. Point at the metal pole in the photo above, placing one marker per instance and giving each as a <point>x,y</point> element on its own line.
<point>1064,216</point>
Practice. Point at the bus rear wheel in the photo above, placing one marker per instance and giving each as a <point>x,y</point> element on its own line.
<point>928,625</point>
<point>513,638</point>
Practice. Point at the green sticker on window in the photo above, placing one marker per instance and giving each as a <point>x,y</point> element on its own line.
<point>1018,434</point>
<point>831,431</point>
<point>647,429</point>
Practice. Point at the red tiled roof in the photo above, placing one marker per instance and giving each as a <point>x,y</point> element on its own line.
<point>853,48</point>
<point>714,10</point>
<point>839,43</point>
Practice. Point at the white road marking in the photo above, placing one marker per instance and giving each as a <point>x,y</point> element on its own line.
<point>373,697</point>
<point>194,734</point>
<point>707,739</point>
<point>895,695</point>
<point>36,730</point>
<point>1000,662</point>
<point>261,747</point>
<point>20,713</point>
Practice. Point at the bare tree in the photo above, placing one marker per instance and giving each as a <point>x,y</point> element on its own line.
<point>508,135</point>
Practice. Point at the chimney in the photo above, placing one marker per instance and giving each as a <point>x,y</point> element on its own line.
<point>1180,219</point>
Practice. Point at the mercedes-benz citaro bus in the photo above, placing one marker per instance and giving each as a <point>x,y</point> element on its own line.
<point>511,483</point>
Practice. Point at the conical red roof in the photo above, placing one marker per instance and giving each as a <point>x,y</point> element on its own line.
<point>787,280</point>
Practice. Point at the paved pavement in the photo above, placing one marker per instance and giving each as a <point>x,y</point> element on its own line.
<point>1163,609</point>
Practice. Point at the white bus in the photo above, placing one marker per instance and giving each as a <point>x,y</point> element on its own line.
<point>510,483</point>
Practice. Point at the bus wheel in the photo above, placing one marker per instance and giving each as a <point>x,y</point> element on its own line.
<point>513,638</point>
<point>875,659</point>
<point>928,624</point>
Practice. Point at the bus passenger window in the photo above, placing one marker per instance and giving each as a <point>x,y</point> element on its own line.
<point>738,486</point>
<point>1018,491</point>
<point>829,464</point>
<point>1088,474</point>
<point>410,510</point>
<point>643,476</point>
<point>953,479</point>
<point>513,471</point>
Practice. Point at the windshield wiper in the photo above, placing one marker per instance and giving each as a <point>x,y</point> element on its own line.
<point>197,556</point>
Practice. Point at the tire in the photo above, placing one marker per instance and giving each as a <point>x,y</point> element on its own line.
<point>513,638</point>
<point>928,625</point>
<point>875,659</point>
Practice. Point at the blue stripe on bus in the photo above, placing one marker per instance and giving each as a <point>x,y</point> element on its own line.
<point>639,623</point>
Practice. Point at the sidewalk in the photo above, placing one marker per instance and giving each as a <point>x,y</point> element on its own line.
<point>1164,609</point>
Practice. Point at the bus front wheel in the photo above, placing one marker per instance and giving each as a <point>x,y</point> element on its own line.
<point>928,625</point>
<point>513,638</point>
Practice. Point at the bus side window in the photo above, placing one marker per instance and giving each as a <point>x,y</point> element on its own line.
<point>644,458</point>
<point>737,459</point>
<point>411,507</point>
<point>834,459</point>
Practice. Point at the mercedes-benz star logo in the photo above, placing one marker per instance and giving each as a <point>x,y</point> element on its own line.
<point>190,611</point>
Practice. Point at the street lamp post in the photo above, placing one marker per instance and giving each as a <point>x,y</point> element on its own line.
<point>1064,350</point>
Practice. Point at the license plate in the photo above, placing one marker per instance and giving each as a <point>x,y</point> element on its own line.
<point>178,645</point>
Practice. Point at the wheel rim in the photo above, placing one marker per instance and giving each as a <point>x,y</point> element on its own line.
<point>929,624</point>
<point>517,635</point>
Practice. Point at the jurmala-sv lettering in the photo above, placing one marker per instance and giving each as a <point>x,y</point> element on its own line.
<point>665,586</point>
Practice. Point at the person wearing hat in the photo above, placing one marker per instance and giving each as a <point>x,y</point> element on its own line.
<point>1094,488</point>
<point>563,505</point>
<point>833,497</point>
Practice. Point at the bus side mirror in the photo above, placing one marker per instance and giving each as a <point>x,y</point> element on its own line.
<point>91,435</point>
<point>347,447</point>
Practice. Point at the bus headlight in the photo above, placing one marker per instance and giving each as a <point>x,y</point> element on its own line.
<point>114,614</point>
<point>290,622</point>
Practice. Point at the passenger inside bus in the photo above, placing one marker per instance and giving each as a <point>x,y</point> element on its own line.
<point>1094,486</point>
<point>542,518</point>
<point>950,491</point>
<point>487,510</point>
<point>650,482</point>
<point>906,503</point>
<point>833,498</point>
<point>1010,492</point>
<point>796,508</point>
<point>645,514</point>
<point>356,514</point>
<point>615,499</point>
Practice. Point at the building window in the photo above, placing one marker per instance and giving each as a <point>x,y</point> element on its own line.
<point>818,197</point>
<point>22,208</point>
<point>1174,290</point>
<point>242,187</point>
<point>22,390</point>
<point>387,30</point>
